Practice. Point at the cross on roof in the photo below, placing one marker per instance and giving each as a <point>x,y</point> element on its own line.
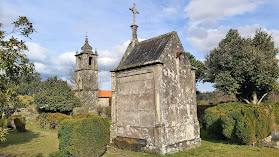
<point>134,10</point>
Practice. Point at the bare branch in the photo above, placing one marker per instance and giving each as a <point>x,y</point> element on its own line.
<point>261,99</point>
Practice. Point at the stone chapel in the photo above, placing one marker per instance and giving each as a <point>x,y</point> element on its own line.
<point>154,96</point>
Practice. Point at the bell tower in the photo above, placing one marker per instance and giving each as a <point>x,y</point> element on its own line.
<point>87,75</point>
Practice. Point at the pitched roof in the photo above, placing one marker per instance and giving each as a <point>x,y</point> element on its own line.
<point>104,93</point>
<point>147,50</point>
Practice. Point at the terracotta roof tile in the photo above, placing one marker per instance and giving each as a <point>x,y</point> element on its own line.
<point>104,93</point>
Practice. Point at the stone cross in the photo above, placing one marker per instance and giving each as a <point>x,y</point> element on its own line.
<point>134,10</point>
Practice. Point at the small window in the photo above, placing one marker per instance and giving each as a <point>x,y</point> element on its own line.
<point>90,60</point>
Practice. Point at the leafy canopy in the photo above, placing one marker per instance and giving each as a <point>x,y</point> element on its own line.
<point>13,61</point>
<point>198,64</point>
<point>245,67</point>
<point>13,64</point>
<point>56,96</point>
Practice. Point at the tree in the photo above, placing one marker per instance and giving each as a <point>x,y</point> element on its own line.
<point>244,67</point>
<point>72,76</point>
<point>198,64</point>
<point>29,84</point>
<point>13,63</point>
<point>56,96</point>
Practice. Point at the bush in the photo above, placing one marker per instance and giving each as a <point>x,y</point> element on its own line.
<point>83,137</point>
<point>240,123</point>
<point>19,122</point>
<point>273,110</point>
<point>23,101</point>
<point>85,115</point>
<point>56,96</point>
<point>51,120</point>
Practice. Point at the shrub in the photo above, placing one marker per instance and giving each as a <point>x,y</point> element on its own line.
<point>85,115</point>
<point>56,96</point>
<point>273,110</point>
<point>23,101</point>
<point>240,123</point>
<point>51,120</point>
<point>7,123</point>
<point>19,122</point>
<point>83,137</point>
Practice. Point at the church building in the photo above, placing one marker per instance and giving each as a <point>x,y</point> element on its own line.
<point>154,96</point>
<point>86,75</point>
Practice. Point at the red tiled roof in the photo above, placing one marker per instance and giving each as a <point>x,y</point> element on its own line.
<point>104,93</point>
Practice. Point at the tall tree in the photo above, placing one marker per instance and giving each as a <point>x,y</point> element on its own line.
<point>198,64</point>
<point>245,67</point>
<point>13,63</point>
<point>29,84</point>
<point>56,96</point>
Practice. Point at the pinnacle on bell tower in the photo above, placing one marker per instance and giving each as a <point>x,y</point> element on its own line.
<point>86,47</point>
<point>134,26</point>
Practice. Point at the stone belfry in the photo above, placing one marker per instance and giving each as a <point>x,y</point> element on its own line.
<point>87,75</point>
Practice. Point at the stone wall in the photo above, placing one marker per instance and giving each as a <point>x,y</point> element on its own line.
<point>104,102</point>
<point>178,99</point>
<point>135,104</point>
<point>29,113</point>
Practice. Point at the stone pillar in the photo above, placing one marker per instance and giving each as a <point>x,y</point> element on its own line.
<point>134,33</point>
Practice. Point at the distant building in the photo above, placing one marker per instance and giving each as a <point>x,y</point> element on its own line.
<point>87,79</point>
<point>104,98</point>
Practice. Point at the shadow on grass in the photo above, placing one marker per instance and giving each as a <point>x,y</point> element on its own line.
<point>23,154</point>
<point>213,138</point>
<point>15,138</point>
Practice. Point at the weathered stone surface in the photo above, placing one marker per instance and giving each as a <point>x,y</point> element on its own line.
<point>30,113</point>
<point>132,144</point>
<point>275,135</point>
<point>87,75</point>
<point>104,102</point>
<point>154,96</point>
<point>271,141</point>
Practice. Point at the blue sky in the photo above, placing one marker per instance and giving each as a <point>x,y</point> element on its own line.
<point>61,26</point>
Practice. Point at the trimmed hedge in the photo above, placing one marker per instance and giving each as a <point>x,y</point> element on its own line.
<point>239,123</point>
<point>51,120</point>
<point>273,111</point>
<point>83,137</point>
<point>85,115</point>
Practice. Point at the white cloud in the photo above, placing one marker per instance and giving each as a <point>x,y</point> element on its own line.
<point>36,52</point>
<point>170,10</point>
<point>275,35</point>
<point>104,76</point>
<point>206,39</point>
<point>109,59</point>
<point>67,58</point>
<point>42,68</point>
<point>207,12</point>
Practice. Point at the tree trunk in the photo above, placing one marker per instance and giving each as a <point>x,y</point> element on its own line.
<point>261,99</point>
<point>254,96</point>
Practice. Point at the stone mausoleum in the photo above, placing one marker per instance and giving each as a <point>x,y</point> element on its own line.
<point>154,96</point>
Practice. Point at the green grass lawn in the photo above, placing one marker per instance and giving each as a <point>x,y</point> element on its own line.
<point>43,142</point>
<point>208,148</point>
<point>34,142</point>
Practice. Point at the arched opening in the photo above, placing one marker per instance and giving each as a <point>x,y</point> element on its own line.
<point>90,60</point>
